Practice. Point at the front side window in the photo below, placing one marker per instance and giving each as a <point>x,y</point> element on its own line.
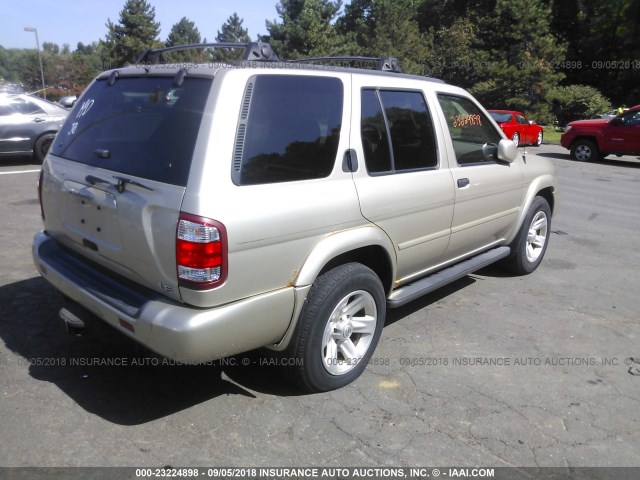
<point>400,119</point>
<point>474,138</point>
<point>522,120</point>
<point>631,119</point>
<point>289,129</point>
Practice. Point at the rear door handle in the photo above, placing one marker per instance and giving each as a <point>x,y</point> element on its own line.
<point>38,120</point>
<point>463,182</point>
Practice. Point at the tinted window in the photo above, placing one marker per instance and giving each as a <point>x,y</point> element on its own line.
<point>141,126</point>
<point>406,122</point>
<point>26,108</point>
<point>631,119</point>
<point>290,131</point>
<point>501,117</point>
<point>474,138</point>
<point>373,132</point>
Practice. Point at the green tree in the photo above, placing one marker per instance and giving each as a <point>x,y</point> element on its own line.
<point>307,29</point>
<point>387,28</point>
<point>184,32</point>
<point>135,31</point>
<point>576,102</point>
<point>602,38</point>
<point>515,58</point>
<point>51,48</point>
<point>231,31</point>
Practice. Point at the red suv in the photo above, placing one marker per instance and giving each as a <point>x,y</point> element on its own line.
<point>591,140</point>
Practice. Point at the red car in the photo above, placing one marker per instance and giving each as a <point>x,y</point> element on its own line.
<point>517,127</point>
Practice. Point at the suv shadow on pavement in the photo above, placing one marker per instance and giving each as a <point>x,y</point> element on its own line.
<point>610,160</point>
<point>122,382</point>
<point>104,372</point>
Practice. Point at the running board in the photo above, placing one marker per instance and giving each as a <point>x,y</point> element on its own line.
<point>439,279</point>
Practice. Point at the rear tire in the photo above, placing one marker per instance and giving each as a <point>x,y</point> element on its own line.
<point>41,147</point>
<point>338,329</point>
<point>584,150</point>
<point>530,245</point>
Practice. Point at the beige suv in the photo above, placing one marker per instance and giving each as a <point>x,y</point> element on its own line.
<point>207,210</point>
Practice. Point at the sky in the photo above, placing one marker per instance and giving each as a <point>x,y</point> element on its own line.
<point>73,21</point>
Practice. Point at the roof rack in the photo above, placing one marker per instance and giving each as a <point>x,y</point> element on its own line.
<point>386,64</point>
<point>255,51</point>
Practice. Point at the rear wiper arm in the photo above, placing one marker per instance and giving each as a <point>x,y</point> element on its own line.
<point>93,180</point>
<point>122,183</point>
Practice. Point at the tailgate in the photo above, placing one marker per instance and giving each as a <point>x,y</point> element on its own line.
<point>131,232</point>
<point>115,177</point>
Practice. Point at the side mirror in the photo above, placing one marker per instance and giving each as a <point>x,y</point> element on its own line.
<point>507,151</point>
<point>531,122</point>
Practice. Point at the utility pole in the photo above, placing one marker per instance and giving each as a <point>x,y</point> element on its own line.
<point>35,30</point>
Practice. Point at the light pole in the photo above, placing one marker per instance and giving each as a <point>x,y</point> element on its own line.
<point>35,30</point>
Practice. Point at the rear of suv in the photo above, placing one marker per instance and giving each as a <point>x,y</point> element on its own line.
<point>210,210</point>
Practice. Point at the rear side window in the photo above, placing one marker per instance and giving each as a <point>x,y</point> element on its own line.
<point>400,119</point>
<point>140,126</point>
<point>474,138</point>
<point>26,108</point>
<point>289,129</point>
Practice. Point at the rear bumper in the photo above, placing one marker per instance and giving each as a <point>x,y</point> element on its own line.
<point>176,331</point>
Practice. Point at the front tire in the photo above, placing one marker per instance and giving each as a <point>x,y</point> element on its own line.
<point>538,141</point>
<point>584,150</point>
<point>516,139</point>
<point>338,329</point>
<point>530,244</point>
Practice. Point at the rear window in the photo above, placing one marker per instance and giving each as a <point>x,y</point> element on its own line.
<point>140,126</point>
<point>289,129</point>
<point>501,117</point>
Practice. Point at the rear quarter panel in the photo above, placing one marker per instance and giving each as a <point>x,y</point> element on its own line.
<point>271,228</point>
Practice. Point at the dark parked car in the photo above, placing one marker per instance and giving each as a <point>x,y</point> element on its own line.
<point>517,127</point>
<point>28,125</point>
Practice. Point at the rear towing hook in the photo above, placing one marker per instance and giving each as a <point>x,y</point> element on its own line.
<point>71,322</point>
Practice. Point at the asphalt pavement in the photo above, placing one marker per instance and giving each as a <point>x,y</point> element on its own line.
<point>493,370</point>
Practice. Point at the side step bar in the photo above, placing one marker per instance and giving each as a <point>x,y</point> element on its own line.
<point>433,282</point>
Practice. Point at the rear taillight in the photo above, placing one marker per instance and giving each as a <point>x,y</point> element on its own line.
<point>201,252</point>
<point>40,179</point>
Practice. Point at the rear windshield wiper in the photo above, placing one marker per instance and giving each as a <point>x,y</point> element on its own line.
<point>93,180</point>
<point>122,183</point>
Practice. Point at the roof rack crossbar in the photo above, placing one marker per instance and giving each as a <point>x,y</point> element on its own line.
<point>256,51</point>
<point>386,64</point>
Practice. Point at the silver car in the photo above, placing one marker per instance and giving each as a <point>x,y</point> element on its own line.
<point>68,101</point>
<point>28,125</point>
<point>211,210</point>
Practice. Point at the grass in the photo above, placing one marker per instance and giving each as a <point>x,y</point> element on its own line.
<point>551,135</point>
